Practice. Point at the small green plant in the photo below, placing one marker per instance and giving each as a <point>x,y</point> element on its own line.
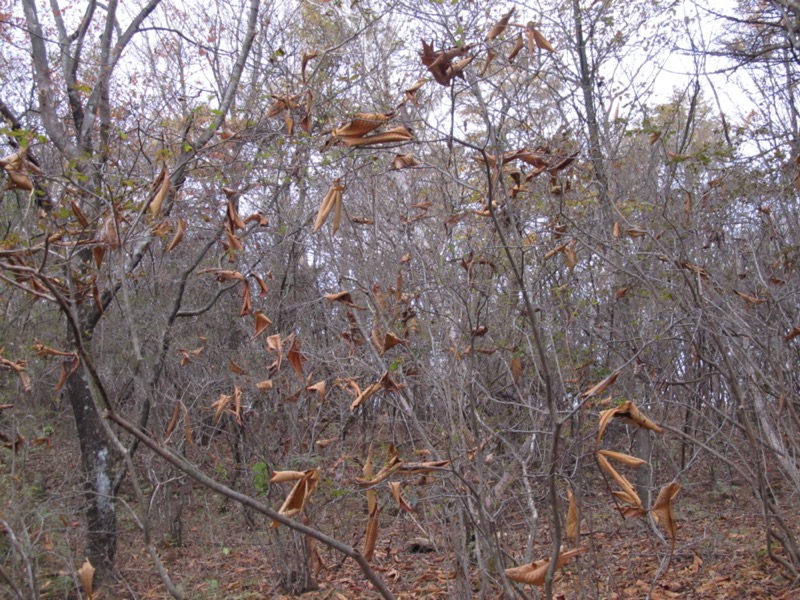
<point>261,477</point>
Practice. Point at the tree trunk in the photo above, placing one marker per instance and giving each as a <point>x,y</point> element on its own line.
<point>101,538</point>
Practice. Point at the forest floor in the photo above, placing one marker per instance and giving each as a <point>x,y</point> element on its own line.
<point>225,554</point>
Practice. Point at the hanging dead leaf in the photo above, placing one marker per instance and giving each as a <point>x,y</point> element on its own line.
<point>173,421</point>
<point>345,298</point>
<point>396,134</point>
<point>299,496</point>
<point>331,202</point>
<point>86,577</point>
<point>440,63</point>
<point>394,488</point>
<point>654,137</point>
<point>363,124</point>
<point>626,459</point>
<point>263,290</point>
<point>284,476</point>
<point>530,28</point>
<point>411,93</point>
<point>296,358</point>
<point>247,306</point>
<point>518,45</point>
<point>541,41</point>
<point>500,26</point>
<point>262,322</point>
<point>159,192</point>
<point>516,369</point>
<point>630,413</point>
<point>572,518</point>
<point>601,387</point>
<point>536,572</point>
<point>306,58</point>
<point>76,210</point>
<point>664,510</point>
<point>365,395</point>
<point>177,238</point>
<point>404,161</point>
<point>631,496</point>
<point>17,168</point>
<point>393,463</point>
<point>318,387</point>
<point>423,468</point>
<point>234,220</point>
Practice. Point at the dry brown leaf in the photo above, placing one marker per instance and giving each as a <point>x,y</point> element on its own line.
<point>173,421</point>
<point>177,238</point>
<point>234,368</point>
<point>301,492</point>
<point>345,298</point>
<point>500,26</point>
<point>626,459</point>
<point>262,322</point>
<point>318,387</point>
<point>306,58</point>
<point>159,192</point>
<point>572,518</point>
<point>423,468</point>
<point>86,577</point>
<point>630,494</point>
<point>394,488</point>
<point>536,572</point>
<point>664,509</point>
<point>264,386</point>
<point>633,416</point>
<point>518,45</point>
<point>363,124</point>
<point>284,476</point>
<point>541,41</point>
<point>396,134</point>
<point>393,463</point>
<point>296,358</point>
<point>404,161</point>
<point>247,306</point>
<point>331,202</point>
<point>601,387</point>
<point>365,395</point>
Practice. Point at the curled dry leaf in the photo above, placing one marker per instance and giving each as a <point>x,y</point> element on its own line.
<point>518,45</point>
<point>284,476</point>
<point>396,134</point>
<point>345,298</point>
<point>363,124</point>
<point>664,510</point>
<point>601,387</point>
<point>536,572</point>
<point>394,488</point>
<point>262,322</point>
<point>86,577</point>
<point>177,238</point>
<point>630,413</point>
<point>630,495</point>
<point>301,492</point>
<point>626,459</point>
<point>331,202</point>
<point>159,192</point>
<point>572,518</point>
<point>500,26</point>
<point>17,168</point>
<point>393,463</point>
<point>541,41</point>
<point>318,387</point>
<point>404,161</point>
